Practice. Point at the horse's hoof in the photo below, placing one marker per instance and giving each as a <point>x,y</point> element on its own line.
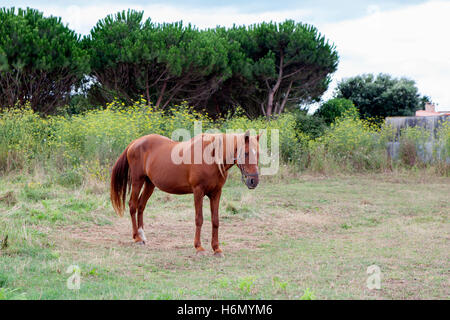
<point>142,235</point>
<point>201,253</point>
<point>219,254</point>
<point>140,243</point>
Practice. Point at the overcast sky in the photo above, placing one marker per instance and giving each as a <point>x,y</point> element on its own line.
<point>408,38</point>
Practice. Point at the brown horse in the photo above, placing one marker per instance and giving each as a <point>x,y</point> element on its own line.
<point>154,160</point>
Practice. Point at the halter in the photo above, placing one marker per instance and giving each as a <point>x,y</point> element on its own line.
<point>245,173</point>
<point>241,167</point>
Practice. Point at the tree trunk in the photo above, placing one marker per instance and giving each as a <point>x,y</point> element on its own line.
<point>286,95</point>
<point>163,89</point>
<point>270,104</point>
<point>147,89</point>
<point>274,89</point>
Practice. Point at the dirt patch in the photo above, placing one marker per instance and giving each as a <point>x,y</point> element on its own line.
<point>168,232</point>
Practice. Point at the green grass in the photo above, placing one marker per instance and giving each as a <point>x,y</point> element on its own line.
<point>307,237</point>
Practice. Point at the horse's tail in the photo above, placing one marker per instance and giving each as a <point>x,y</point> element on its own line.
<point>120,179</point>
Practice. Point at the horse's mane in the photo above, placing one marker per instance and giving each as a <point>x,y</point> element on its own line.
<point>222,142</point>
<point>224,147</point>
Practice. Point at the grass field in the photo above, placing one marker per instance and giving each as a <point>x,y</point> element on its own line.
<point>297,237</point>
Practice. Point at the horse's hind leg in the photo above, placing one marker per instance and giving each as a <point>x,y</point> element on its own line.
<point>145,195</point>
<point>136,186</point>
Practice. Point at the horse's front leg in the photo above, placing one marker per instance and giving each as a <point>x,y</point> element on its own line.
<point>198,202</point>
<point>214,201</point>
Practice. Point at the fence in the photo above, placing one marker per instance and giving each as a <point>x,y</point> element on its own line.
<point>429,150</point>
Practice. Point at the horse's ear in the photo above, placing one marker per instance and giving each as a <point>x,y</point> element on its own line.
<point>247,136</point>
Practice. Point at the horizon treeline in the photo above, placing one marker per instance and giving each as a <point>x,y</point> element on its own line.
<point>263,68</point>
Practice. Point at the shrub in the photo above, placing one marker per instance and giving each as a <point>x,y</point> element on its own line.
<point>93,139</point>
<point>23,135</point>
<point>78,104</point>
<point>335,108</point>
<point>311,125</point>
<point>88,144</point>
<point>350,144</point>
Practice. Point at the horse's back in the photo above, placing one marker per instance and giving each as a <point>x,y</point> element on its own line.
<point>144,147</point>
<point>150,156</point>
<point>148,142</point>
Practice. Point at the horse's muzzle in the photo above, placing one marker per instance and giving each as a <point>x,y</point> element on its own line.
<point>252,182</point>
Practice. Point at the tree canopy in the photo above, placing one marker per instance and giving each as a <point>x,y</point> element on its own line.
<point>165,63</point>
<point>276,66</point>
<point>40,60</point>
<point>263,68</point>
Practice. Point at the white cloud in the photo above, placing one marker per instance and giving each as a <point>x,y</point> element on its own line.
<point>82,19</point>
<point>372,9</point>
<point>411,42</point>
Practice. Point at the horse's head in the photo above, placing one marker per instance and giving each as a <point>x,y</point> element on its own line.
<point>247,157</point>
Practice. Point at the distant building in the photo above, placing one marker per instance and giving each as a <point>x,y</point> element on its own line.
<point>430,110</point>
